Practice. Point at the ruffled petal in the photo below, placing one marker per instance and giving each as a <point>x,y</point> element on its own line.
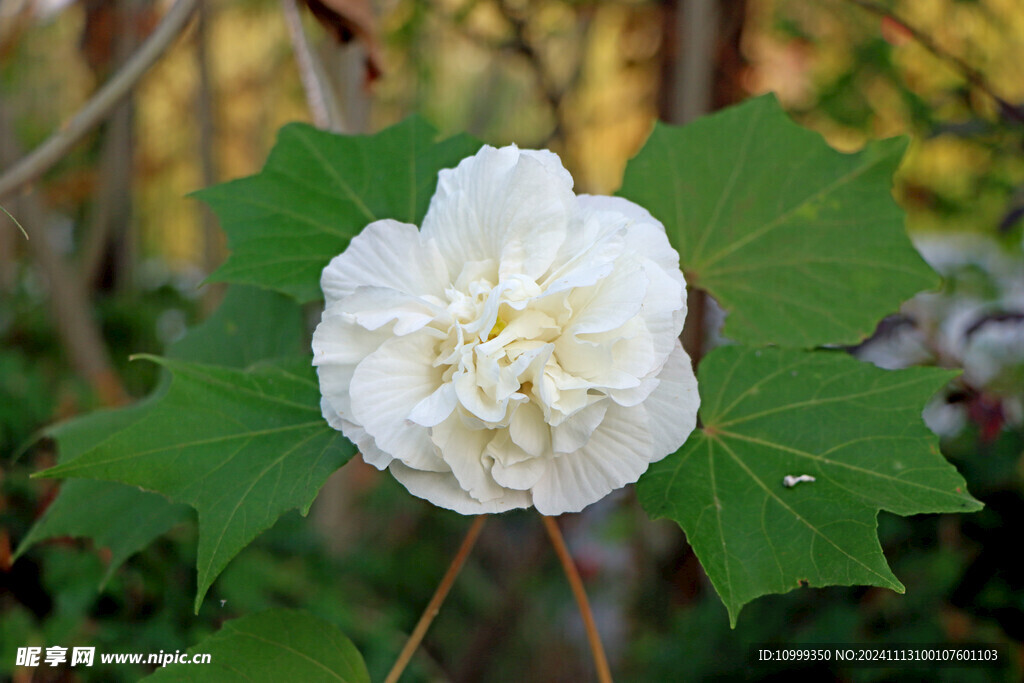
<point>443,490</point>
<point>612,301</point>
<point>646,234</point>
<point>572,434</point>
<point>366,445</point>
<point>598,239</point>
<point>672,407</point>
<point>374,307</point>
<point>339,344</point>
<point>511,466</point>
<point>463,451</point>
<point>386,254</point>
<point>338,339</point>
<point>634,395</point>
<point>436,408</point>
<point>387,386</point>
<point>664,309</point>
<point>529,431</point>
<point>616,454</point>
<point>502,203</point>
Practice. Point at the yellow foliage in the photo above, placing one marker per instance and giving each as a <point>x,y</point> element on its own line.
<point>458,64</point>
<point>255,91</point>
<point>988,35</point>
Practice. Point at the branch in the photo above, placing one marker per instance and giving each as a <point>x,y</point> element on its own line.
<point>207,140</point>
<point>973,76</point>
<point>111,205</point>
<point>690,95</point>
<point>323,106</point>
<point>43,157</point>
<point>69,304</point>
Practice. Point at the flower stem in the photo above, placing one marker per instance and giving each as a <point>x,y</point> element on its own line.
<point>434,606</point>
<point>604,674</point>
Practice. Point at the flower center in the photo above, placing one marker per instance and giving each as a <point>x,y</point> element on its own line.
<point>499,325</point>
<point>498,339</point>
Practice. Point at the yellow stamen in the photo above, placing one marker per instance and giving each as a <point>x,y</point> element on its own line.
<point>499,325</point>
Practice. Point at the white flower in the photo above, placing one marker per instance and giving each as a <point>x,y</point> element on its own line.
<point>521,349</point>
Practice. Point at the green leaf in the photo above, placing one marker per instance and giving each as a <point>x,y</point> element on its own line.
<point>802,245</point>
<point>276,645</point>
<point>242,447</point>
<point>772,413</point>
<point>317,191</point>
<point>122,518</point>
<point>250,324</point>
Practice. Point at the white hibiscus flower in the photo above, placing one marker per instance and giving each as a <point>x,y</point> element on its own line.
<point>521,349</point>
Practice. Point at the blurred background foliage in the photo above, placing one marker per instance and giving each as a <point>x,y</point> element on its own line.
<point>113,235</point>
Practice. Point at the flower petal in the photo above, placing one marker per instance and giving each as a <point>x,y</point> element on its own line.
<point>597,240</point>
<point>502,202</point>
<point>664,309</point>
<point>672,407</point>
<point>511,466</point>
<point>386,254</point>
<point>573,433</point>
<point>463,451</point>
<point>374,307</point>
<point>339,344</point>
<point>387,386</point>
<point>646,234</point>
<point>366,445</point>
<point>443,490</point>
<point>436,408</point>
<point>634,395</point>
<point>612,301</point>
<point>616,454</point>
<point>529,431</point>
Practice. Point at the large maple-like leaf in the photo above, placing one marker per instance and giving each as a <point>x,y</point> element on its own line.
<point>249,325</point>
<point>242,447</point>
<point>317,191</point>
<point>769,414</point>
<point>802,245</point>
<point>276,645</point>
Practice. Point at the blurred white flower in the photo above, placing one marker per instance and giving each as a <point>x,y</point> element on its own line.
<point>994,355</point>
<point>521,349</point>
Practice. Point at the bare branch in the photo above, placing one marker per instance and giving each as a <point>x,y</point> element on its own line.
<point>111,206</point>
<point>697,25</point>
<point>973,76</point>
<point>69,302</point>
<point>690,90</point>
<point>323,105</point>
<point>100,105</point>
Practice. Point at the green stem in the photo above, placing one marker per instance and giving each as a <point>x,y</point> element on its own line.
<point>15,221</point>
